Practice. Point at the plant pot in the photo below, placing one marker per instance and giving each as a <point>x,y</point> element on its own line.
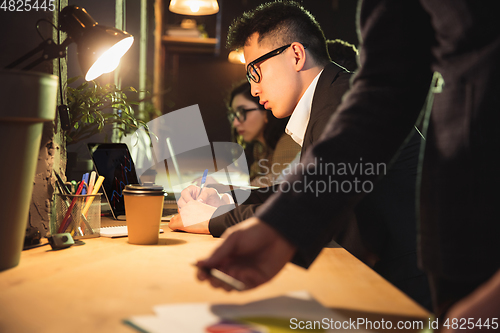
<point>28,99</point>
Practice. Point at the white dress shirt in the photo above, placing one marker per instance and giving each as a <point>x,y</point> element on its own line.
<point>299,119</point>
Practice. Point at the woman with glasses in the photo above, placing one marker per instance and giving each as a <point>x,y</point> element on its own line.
<point>268,149</point>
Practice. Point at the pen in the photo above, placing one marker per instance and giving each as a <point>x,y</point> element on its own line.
<point>96,188</point>
<point>85,180</point>
<point>91,182</point>
<point>74,186</point>
<point>65,200</point>
<point>65,222</point>
<point>59,187</point>
<point>61,182</point>
<point>203,180</point>
<point>64,191</point>
<point>223,277</point>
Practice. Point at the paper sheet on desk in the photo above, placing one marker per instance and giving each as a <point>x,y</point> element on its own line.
<point>272,315</point>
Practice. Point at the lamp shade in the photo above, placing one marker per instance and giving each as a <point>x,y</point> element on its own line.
<point>194,7</point>
<point>99,47</point>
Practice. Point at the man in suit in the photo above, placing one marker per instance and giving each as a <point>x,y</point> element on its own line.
<point>322,82</point>
<point>299,80</point>
<point>332,84</point>
<point>403,43</point>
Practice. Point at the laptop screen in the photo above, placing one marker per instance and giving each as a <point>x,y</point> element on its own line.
<point>114,163</point>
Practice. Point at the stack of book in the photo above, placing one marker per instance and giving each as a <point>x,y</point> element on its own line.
<point>178,31</point>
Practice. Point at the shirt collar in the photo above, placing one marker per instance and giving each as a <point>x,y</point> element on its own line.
<point>299,119</point>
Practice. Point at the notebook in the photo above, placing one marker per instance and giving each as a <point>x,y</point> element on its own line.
<point>116,231</point>
<point>114,162</point>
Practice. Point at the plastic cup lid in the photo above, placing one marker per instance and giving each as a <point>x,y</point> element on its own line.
<point>148,189</point>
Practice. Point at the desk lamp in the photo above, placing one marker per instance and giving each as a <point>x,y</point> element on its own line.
<point>99,48</point>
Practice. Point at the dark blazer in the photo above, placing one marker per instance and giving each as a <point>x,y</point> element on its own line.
<point>332,85</point>
<point>384,226</point>
<point>404,42</point>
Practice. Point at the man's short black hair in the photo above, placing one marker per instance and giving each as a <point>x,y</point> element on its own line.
<point>280,23</point>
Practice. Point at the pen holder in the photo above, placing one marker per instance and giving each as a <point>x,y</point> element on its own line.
<point>83,219</point>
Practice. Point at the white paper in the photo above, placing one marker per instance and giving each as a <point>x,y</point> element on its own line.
<point>196,317</point>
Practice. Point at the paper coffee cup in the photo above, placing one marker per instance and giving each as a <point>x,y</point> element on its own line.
<point>143,209</point>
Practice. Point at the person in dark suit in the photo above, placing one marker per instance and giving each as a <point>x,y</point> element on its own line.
<point>386,238</point>
<point>326,87</point>
<point>403,44</point>
<point>332,84</point>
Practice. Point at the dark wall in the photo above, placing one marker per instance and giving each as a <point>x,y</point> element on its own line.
<point>206,79</point>
<point>203,79</point>
<point>19,36</point>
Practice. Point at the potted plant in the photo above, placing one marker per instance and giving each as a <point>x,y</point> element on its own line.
<point>93,106</point>
<point>28,100</point>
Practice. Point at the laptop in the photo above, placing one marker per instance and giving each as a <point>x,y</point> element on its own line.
<point>114,162</point>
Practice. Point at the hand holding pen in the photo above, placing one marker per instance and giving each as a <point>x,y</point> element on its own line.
<point>203,180</point>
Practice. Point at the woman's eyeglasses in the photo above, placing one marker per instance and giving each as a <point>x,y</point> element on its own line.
<point>240,114</point>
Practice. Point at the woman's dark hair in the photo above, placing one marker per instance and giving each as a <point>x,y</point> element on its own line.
<point>274,128</point>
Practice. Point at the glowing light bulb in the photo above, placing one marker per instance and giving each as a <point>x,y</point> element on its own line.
<point>236,57</point>
<point>110,59</point>
<point>195,6</point>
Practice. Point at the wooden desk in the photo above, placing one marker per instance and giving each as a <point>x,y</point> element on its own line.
<point>92,288</point>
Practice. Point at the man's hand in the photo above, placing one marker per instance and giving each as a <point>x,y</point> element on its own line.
<point>253,252</point>
<point>198,228</point>
<point>208,196</point>
<point>482,305</point>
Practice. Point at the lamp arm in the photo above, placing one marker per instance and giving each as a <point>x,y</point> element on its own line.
<point>50,50</point>
<point>26,56</point>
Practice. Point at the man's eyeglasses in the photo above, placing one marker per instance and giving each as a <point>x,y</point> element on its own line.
<point>253,71</point>
<point>240,114</point>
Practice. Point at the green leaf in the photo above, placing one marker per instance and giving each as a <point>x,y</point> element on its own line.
<point>73,79</point>
<point>94,106</point>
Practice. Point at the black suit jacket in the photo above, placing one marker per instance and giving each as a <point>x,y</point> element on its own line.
<point>403,43</point>
<point>332,85</point>
<point>382,226</point>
